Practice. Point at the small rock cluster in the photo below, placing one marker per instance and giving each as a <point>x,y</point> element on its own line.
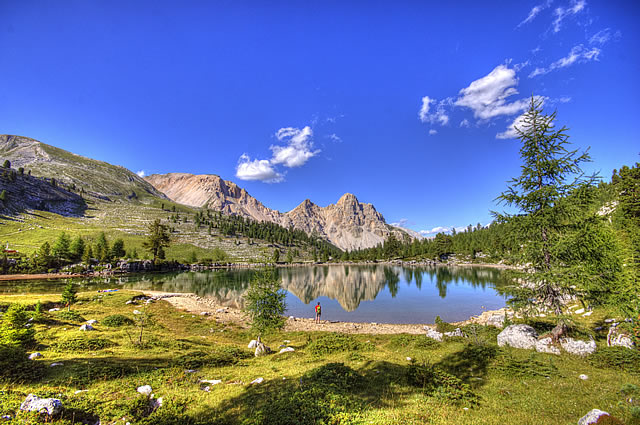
<point>526,337</point>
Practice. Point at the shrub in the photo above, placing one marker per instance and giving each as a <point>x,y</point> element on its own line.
<point>16,366</point>
<point>442,326</point>
<point>406,341</point>
<point>14,327</point>
<point>72,316</point>
<point>332,343</point>
<point>81,343</point>
<point>438,383</point>
<point>117,320</point>
<point>617,358</point>
<point>334,375</point>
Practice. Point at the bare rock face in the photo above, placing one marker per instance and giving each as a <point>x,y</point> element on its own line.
<point>518,336</point>
<point>348,224</point>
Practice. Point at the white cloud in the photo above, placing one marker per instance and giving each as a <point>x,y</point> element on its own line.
<point>401,223</point>
<point>602,37</point>
<point>562,13</point>
<point>298,150</point>
<point>439,115</point>
<point>334,137</point>
<point>141,173</point>
<point>487,96</point>
<point>578,54</point>
<point>258,169</point>
<point>535,11</point>
<point>442,229</point>
<point>465,123</point>
<point>433,132</point>
<point>510,132</point>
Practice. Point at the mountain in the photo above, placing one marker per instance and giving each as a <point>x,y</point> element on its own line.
<point>348,224</point>
<point>94,178</point>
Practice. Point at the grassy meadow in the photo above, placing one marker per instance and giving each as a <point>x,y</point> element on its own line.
<point>328,379</point>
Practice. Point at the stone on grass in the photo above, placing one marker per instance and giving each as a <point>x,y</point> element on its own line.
<point>609,320</point>
<point>55,364</point>
<point>33,403</point>
<point>578,347</point>
<point>433,334</point>
<point>286,350</point>
<point>92,322</point>
<point>87,327</point>
<point>545,345</point>
<point>583,377</point>
<point>617,338</point>
<point>253,343</point>
<point>496,320</point>
<point>257,381</point>
<point>145,389</point>
<point>54,309</point>
<point>204,313</point>
<point>211,381</point>
<point>456,332</point>
<point>588,313</point>
<point>592,417</point>
<point>34,356</point>
<point>261,349</point>
<point>518,336</point>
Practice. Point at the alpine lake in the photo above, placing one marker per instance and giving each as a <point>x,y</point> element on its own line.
<point>380,293</point>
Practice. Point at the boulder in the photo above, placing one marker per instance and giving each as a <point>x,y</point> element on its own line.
<point>617,338</point>
<point>518,336</point>
<point>33,403</point>
<point>34,356</point>
<point>456,332</point>
<point>592,417</point>
<point>545,345</point>
<point>578,347</point>
<point>261,349</point>
<point>286,350</point>
<point>433,334</point>
<point>257,381</point>
<point>496,320</point>
<point>92,322</point>
<point>87,327</point>
<point>253,344</point>
<point>145,389</point>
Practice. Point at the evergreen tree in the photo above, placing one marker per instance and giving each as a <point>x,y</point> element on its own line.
<point>44,256</point>
<point>102,248</point>
<point>117,249</point>
<point>77,249</point>
<point>69,295</point>
<point>550,172</point>
<point>157,239</point>
<point>7,164</point>
<point>289,257</point>
<point>265,302</point>
<point>61,249</point>
<point>88,255</point>
<point>276,255</point>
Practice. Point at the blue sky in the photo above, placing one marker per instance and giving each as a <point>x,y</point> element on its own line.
<point>407,104</point>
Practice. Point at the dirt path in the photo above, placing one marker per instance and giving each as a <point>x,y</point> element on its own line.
<point>197,305</point>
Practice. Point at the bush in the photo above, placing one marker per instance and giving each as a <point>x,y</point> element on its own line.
<point>412,341</point>
<point>332,343</point>
<point>442,326</point>
<point>334,375</point>
<point>438,383</point>
<point>81,343</point>
<point>617,358</point>
<point>16,366</point>
<point>116,320</point>
<point>15,328</point>
<point>72,316</point>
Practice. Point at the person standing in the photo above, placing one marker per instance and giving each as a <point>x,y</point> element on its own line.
<point>318,312</point>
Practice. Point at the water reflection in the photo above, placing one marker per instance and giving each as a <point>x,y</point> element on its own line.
<point>348,285</point>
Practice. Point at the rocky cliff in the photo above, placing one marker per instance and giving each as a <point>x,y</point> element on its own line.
<point>348,224</point>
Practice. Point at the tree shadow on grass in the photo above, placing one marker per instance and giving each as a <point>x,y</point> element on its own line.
<point>470,364</point>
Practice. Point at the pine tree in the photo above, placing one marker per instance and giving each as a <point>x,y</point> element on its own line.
<point>77,249</point>
<point>69,295</point>
<point>265,302</point>
<point>158,239</point>
<point>61,249</point>
<point>550,172</point>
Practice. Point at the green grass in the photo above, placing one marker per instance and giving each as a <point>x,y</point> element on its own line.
<point>328,379</point>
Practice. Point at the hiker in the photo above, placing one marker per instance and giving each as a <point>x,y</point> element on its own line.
<point>318,312</point>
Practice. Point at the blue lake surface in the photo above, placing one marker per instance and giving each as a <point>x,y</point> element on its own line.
<point>354,293</point>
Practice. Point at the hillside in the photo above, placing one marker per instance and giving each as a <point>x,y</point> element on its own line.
<point>347,224</point>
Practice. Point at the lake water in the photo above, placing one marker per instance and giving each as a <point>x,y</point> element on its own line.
<point>372,293</point>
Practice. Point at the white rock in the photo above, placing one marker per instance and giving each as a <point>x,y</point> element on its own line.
<point>54,309</point>
<point>619,339</point>
<point>204,313</point>
<point>86,327</point>
<point>81,391</point>
<point>261,350</point>
<point>139,312</point>
<point>257,381</point>
<point>55,364</point>
<point>211,381</point>
<point>456,332</point>
<point>156,403</point>
<point>579,311</point>
<point>545,345</point>
<point>286,350</point>
<point>578,347</point>
<point>588,313</point>
<point>433,334</point>
<point>496,320</point>
<point>221,310</point>
<point>34,356</point>
<point>609,320</point>
<point>206,389</point>
<point>583,377</point>
<point>92,322</point>
<point>409,359</point>
<point>129,302</point>
<point>190,371</point>
<point>145,389</point>
<point>518,336</point>
<point>36,404</point>
<point>253,344</point>
<point>592,417</point>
